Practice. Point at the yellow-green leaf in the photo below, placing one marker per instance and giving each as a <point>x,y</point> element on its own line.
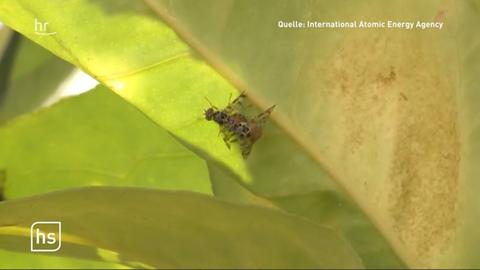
<point>180,229</point>
<point>94,139</point>
<point>387,115</point>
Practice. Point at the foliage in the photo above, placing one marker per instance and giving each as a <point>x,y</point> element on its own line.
<point>375,133</point>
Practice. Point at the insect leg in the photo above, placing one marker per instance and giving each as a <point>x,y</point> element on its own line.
<point>210,103</point>
<point>223,130</point>
<point>235,103</point>
<point>226,138</point>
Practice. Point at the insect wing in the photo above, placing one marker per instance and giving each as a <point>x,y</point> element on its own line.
<point>262,117</point>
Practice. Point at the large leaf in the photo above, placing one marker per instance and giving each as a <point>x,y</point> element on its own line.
<point>378,110</point>
<point>144,68</point>
<point>164,84</point>
<point>94,139</point>
<point>180,229</point>
<point>468,98</point>
<point>382,113</point>
<point>17,260</point>
<point>289,186</point>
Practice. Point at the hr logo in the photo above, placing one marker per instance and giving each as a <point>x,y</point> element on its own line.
<point>45,236</point>
<point>41,28</point>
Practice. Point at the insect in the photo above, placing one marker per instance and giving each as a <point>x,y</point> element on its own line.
<point>235,126</point>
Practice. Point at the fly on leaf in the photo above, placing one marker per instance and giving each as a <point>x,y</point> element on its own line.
<point>235,126</point>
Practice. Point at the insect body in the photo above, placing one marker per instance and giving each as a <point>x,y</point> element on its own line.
<point>249,132</point>
<point>227,118</point>
<point>235,126</point>
<point>224,116</point>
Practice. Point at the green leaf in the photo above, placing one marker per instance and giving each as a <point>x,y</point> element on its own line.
<point>199,232</point>
<point>469,122</point>
<point>144,68</point>
<point>384,112</point>
<point>34,77</point>
<point>289,186</point>
<point>334,211</point>
<point>2,185</point>
<point>170,85</point>
<point>9,259</point>
<point>387,115</point>
<point>94,139</point>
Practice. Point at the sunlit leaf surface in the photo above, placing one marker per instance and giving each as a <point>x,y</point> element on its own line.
<point>94,139</point>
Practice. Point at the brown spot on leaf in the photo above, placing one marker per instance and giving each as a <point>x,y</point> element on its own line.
<point>425,165</point>
<point>387,79</point>
<point>408,152</point>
